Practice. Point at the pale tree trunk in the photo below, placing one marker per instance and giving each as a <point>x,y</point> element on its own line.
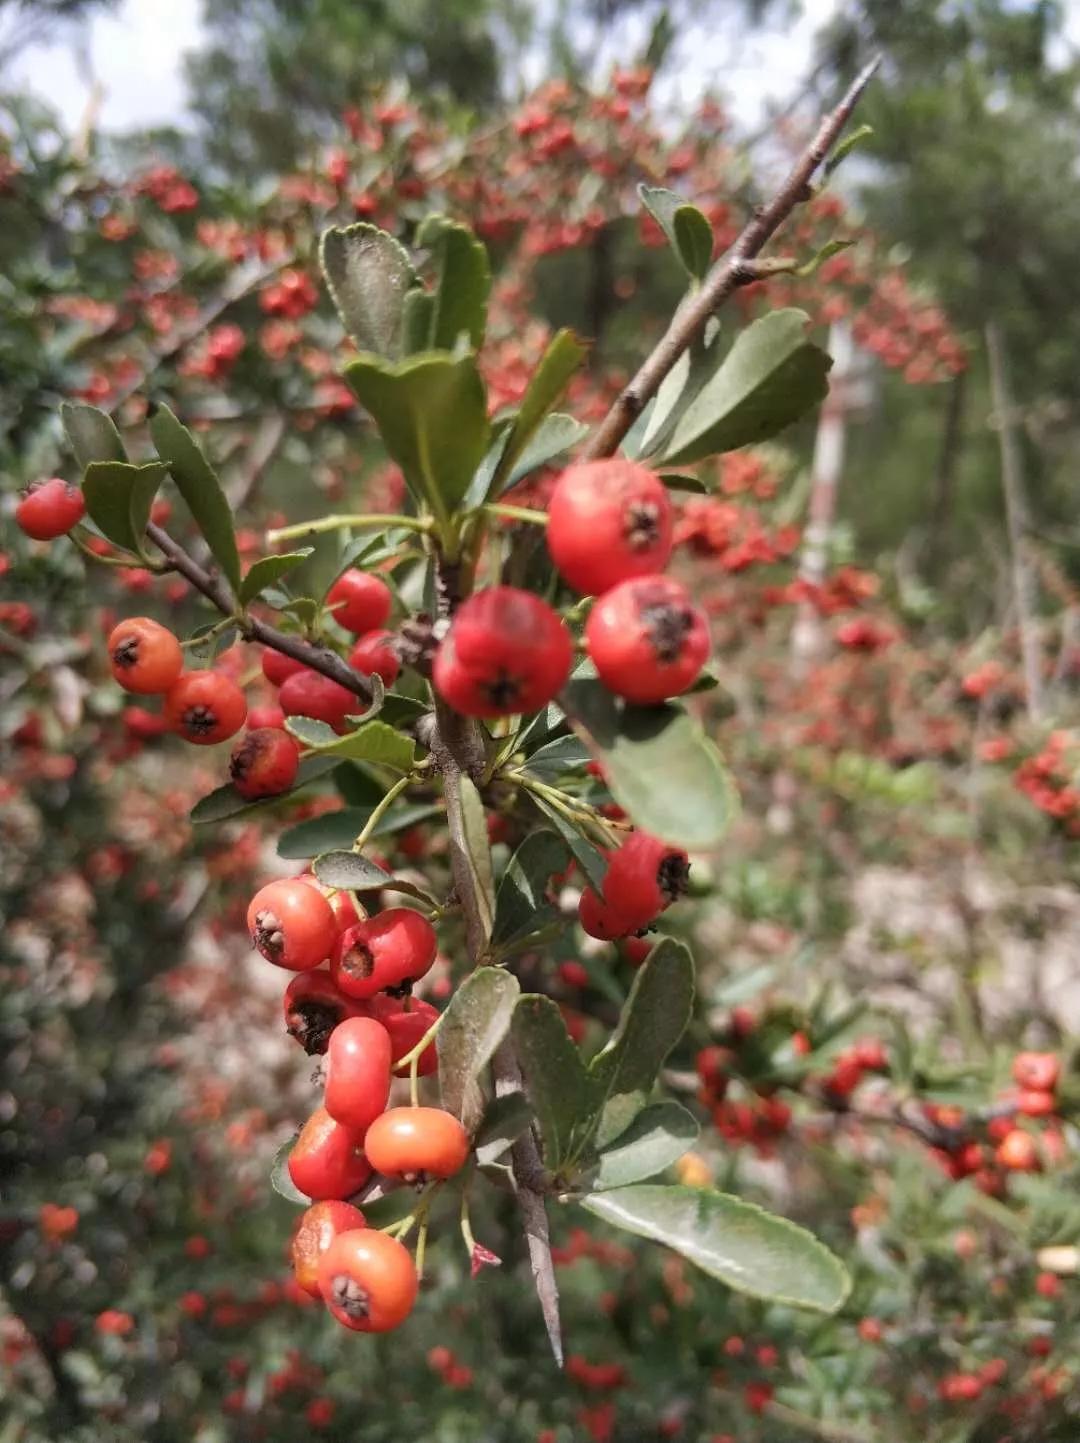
<point>808,635</point>
<point>1025,597</point>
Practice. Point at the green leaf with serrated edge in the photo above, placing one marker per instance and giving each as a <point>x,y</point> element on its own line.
<point>280,1180</point>
<point>269,569</point>
<point>521,897</point>
<point>473,1025</point>
<point>118,498</point>
<point>654,1018</point>
<point>91,433</point>
<point>656,1139</point>
<point>504,1120</point>
<point>846,146</point>
<point>373,742</point>
<point>688,231</point>
<point>350,872</point>
<point>474,829</point>
<point>416,321</point>
<point>333,830</point>
<point>547,385</point>
<point>563,754</point>
<point>368,274</point>
<point>772,375</point>
<point>556,1082</point>
<point>588,857</point>
<point>463,285</point>
<point>659,765</point>
<point>225,802</point>
<point>556,434</point>
<point>750,1250</point>
<point>431,412</point>
<point>199,485</point>
<point>680,481</point>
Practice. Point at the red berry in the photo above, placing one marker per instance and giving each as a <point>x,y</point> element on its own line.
<point>359,601</point>
<point>374,655</point>
<point>50,509</point>
<point>1037,1071</point>
<point>313,1007</point>
<point>317,1229</point>
<point>643,877</point>
<point>388,952</point>
<point>309,693</point>
<point>264,763</point>
<point>1017,1152</point>
<point>417,1143</point>
<point>146,658</point>
<point>327,1161</point>
<point>357,1073</point>
<point>205,707</point>
<point>259,717</point>
<point>292,924</point>
<point>506,651</point>
<point>406,1020</point>
<point>341,903</point>
<point>277,667</point>
<point>368,1281</point>
<point>647,639</point>
<point>599,919</point>
<point>608,521</point>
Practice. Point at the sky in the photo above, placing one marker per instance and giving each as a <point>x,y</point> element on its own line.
<point>137,54</point>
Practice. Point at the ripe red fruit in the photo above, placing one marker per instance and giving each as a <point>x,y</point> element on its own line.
<point>277,667</point>
<point>309,693</point>
<point>406,1020</point>
<point>374,655</point>
<point>341,903</point>
<point>1037,1071</point>
<point>327,1161</point>
<point>607,522</point>
<point>506,651</point>
<point>357,1073</point>
<point>368,1281</point>
<point>313,1007</point>
<point>643,877</point>
<point>599,919</point>
<point>417,1143</point>
<point>317,1229</point>
<point>205,707</point>
<point>359,601</point>
<point>387,953</point>
<point>292,924</point>
<point>264,763</point>
<point>647,639</point>
<point>1017,1152</point>
<point>50,509</point>
<point>265,716</point>
<point>146,658</point>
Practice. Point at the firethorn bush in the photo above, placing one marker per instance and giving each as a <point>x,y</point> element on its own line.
<point>532,946</point>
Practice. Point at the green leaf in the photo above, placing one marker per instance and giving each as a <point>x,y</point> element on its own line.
<point>659,764</point>
<point>521,904</point>
<point>654,1018</point>
<point>554,758</point>
<point>475,834</point>
<point>697,365</point>
<point>464,282</point>
<point>474,1024</point>
<point>556,434</point>
<point>368,274</point>
<point>588,857</point>
<point>333,830</point>
<point>431,412</point>
<point>656,1139</point>
<point>119,497</point>
<point>504,1120</point>
<point>680,481</point>
<point>350,872</point>
<point>846,146</point>
<point>226,802</point>
<point>556,1082</point>
<point>92,434</point>
<point>830,248</point>
<point>687,230</point>
<point>269,569</point>
<point>772,375</point>
<point>372,741</point>
<point>750,1250</point>
<point>280,1180</point>
<point>199,485</point>
<point>547,384</point>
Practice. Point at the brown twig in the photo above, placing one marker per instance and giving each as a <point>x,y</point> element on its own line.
<point>730,272</point>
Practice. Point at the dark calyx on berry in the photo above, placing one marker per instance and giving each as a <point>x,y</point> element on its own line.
<point>200,720</point>
<point>641,525</point>
<point>347,1294</point>
<point>268,935</point>
<point>358,962</point>
<point>311,1024</point>
<point>244,758</point>
<point>673,876</point>
<point>503,691</point>
<point>667,627</point>
<point>127,652</point>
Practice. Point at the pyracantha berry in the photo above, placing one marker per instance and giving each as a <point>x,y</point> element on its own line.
<point>386,953</point>
<point>416,1143</point>
<point>309,693</point>
<point>609,521</point>
<point>506,651</point>
<point>205,707</point>
<point>368,1281</point>
<point>317,1229</point>
<point>407,1020</point>
<point>50,509</point>
<point>374,655</point>
<point>292,924</point>
<point>359,602</point>
<point>644,876</point>
<point>647,639</point>
<point>264,763</point>
<point>146,658</point>
<point>313,1007</point>
<point>357,1073</point>
<point>327,1160</point>
<point>277,667</point>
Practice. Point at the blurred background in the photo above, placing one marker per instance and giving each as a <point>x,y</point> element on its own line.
<point>894,590</point>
